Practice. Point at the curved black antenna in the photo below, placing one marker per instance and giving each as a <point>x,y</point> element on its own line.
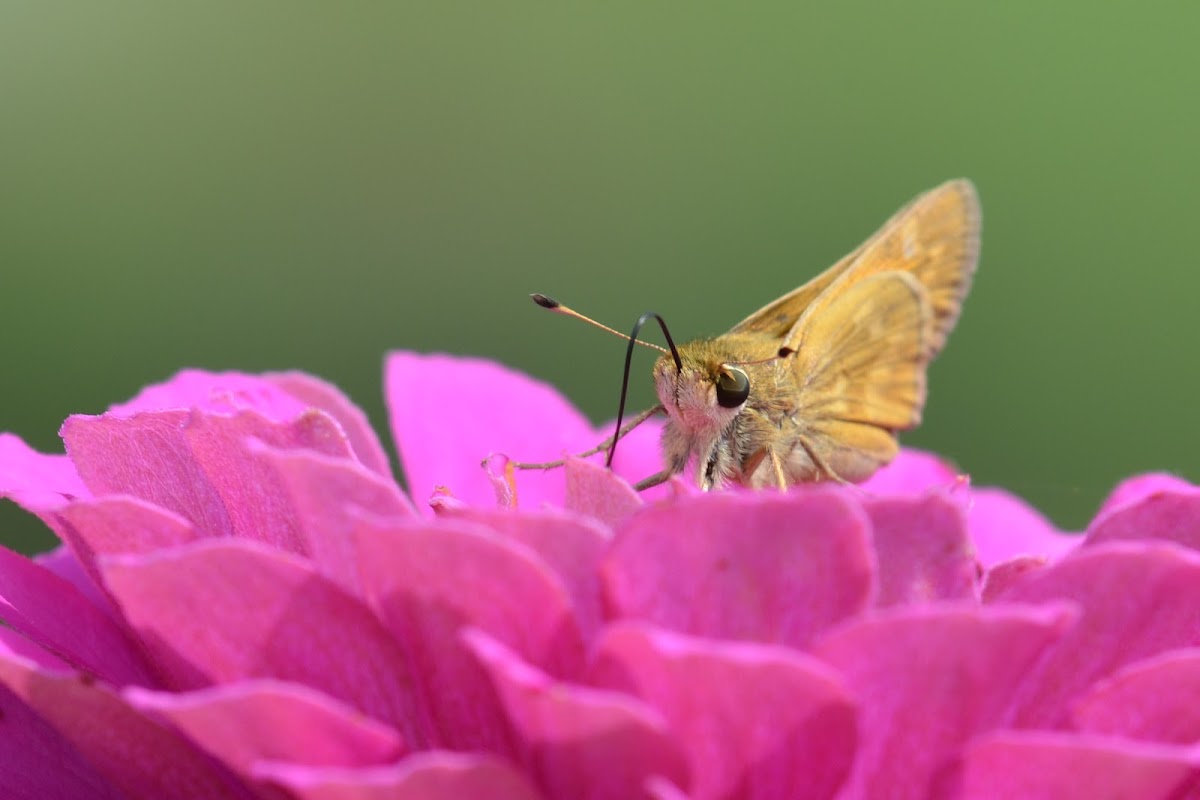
<point>629,360</point>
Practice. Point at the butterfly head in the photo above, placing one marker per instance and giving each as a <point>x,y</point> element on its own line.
<point>705,392</point>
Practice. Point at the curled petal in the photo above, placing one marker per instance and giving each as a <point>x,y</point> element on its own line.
<point>572,546</point>
<point>54,614</point>
<point>214,392</point>
<point>251,721</point>
<point>596,491</point>
<point>1136,599</point>
<point>1040,765</point>
<point>1143,700</point>
<point>36,761</point>
<point>279,397</point>
<point>118,524</point>
<point>638,456</point>
<point>576,741</point>
<point>930,677</point>
<point>923,550</point>
<point>316,393</point>
<point>429,581</point>
<point>1142,487</point>
<point>433,775</point>
<point>757,721</point>
<point>64,563</point>
<point>911,473</point>
<point>1004,527</point>
<point>15,644</point>
<point>137,755</point>
<point>326,497</point>
<point>743,566</point>
<point>36,481</point>
<point>197,465</point>
<point>999,577</point>
<point>224,610</point>
<point>1151,510</point>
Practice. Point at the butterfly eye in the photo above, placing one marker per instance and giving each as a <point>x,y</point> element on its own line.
<point>733,387</point>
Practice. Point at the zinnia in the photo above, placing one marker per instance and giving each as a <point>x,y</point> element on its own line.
<point>246,605</point>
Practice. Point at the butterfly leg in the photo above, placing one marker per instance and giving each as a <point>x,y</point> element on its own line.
<point>750,467</point>
<point>606,444</point>
<point>777,466</point>
<point>821,464</point>
<point>654,480</point>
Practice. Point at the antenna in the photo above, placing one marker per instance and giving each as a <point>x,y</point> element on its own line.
<point>551,304</point>
<point>629,360</point>
<point>558,308</point>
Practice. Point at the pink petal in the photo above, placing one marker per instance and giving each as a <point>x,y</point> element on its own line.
<point>63,563</point>
<point>923,550</point>
<point>579,742</point>
<point>1137,600</point>
<point>449,413</point>
<point>1146,700</point>
<point>1003,527</point>
<point>52,613</point>
<point>434,775</point>
<point>36,761</point>
<point>1000,577</point>
<point>1039,765</point>
<point>1142,487</point>
<point>596,491</point>
<point>913,472</point>
<point>429,581</point>
<point>639,454</point>
<point>1171,515</point>
<point>757,721</point>
<point>36,481</point>
<point>140,757</point>
<point>16,644</point>
<point>573,547</point>
<point>327,496</point>
<point>222,610</point>
<point>316,393</point>
<point>197,465</point>
<point>214,392</point>
<point>931,677</point>
<point>118,524</point>
<point>766,567</point>
<point>247,722</point>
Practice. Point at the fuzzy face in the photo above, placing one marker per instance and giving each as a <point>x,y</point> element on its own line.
<point>703,402</point>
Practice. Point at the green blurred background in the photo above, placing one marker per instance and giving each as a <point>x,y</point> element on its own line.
<point>308,185</point>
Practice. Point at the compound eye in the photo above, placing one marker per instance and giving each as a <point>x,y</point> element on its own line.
<point>733,387</point>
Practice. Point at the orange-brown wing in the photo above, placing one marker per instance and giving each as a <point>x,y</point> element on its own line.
<point>936,240</point>
<point>778,317</point>
<point>863,359</point>
<point>935,237</point>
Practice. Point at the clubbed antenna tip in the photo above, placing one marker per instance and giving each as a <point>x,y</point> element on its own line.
<point>558,308</point>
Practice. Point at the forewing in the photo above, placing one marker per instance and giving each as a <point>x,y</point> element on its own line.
<point>778,317</point>
<point>935,238</point>
<point>863,360</point>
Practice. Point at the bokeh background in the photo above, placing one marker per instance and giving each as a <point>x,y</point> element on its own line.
<point>254,187</point>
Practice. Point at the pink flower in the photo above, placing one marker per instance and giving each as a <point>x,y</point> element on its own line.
<point>247,605</point>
